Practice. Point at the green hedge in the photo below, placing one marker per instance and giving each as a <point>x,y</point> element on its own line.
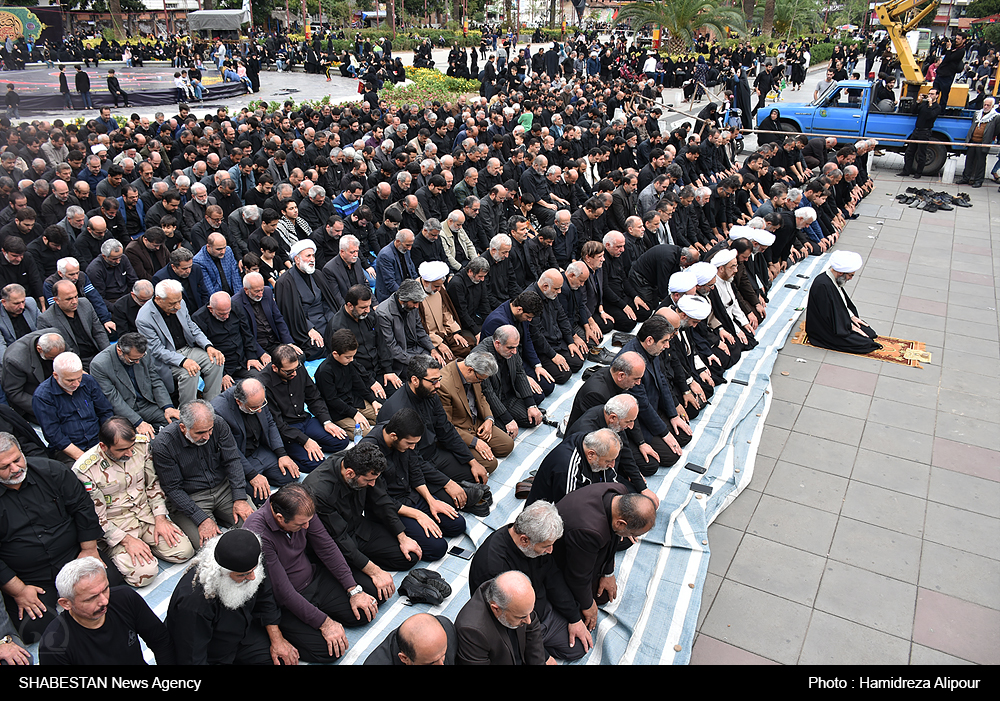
<point>404,41</point>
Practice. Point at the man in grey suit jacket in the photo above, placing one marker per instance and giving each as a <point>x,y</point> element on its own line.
<point>128,378</point>
<point>15,303</point>
<point>27,364</point>
<point>265,460</point>
<point>400,328</point>
<point>164,320</point>
<point>76,321</point>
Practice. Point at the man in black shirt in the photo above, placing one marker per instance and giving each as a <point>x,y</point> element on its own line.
<point>927,110</point>
<point>228,330</point>
<point>372,360</point>
<point>101,625</point>
<point>46,520</point>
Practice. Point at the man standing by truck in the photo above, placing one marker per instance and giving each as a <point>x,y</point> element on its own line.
<point>927,110</point>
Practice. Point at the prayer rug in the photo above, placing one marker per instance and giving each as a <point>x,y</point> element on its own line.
<point>894,350</point>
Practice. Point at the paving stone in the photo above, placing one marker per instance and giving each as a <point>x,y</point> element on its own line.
<point>926,306</point>
<point>885,508</point>
<point>890,472</point>
<point>807,486</point>
<point>772,441</point>
<point>963,362</point>
<point>867,598</point>
<point>838,401</point>
<point>834,427</point>
<point>964,429</point>
<point>757,622</point>
<point>906,392</point>
<point>777,569</point>
<point>763,465</point>
<point>927,374</point>
<point>877,549</point>
<point>782,414</point>
<point>709,651</point>
<point>910,332</point>
<point>974,314</point>
<point>974,329</point>
<point>708,592</point>
<point>852,380</point>
<point>970,382</point>
<point>723,542</point>
<point>964,491</point>
<point>967,459</point>
<point>892,413</point>
<point>854,362</point>
<point>793,524</point>
<point>988,348</point>
<point>960,574</point>
<point>738,514</point>
<point>789,389</point>
<point>820,454</point>
<point>920,655</point>
<point>959,628</point>
<point>920,319</point>
<point>898,442</point>
<point>800,371</point>
<point>962,529</point>
<point>832,640</point>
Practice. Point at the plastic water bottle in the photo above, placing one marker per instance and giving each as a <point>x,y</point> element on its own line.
<point>357,433</point>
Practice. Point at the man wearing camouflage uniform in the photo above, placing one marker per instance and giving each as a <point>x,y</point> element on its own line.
<point>118,473</point>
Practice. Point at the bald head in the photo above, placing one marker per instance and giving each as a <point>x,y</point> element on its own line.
<point>511,599</point>
<point>422,640</point>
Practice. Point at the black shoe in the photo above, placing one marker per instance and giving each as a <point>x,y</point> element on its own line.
<point>602,356</point>
<point>902,174</point>
<point>619,338</point>
<point>917,176</point>
<point>961,181</point>
<point>976,185</point>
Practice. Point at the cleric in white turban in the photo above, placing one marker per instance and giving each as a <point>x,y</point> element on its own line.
<point>831,318</point>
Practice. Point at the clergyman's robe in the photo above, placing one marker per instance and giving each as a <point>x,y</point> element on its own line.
<point>828,319</point>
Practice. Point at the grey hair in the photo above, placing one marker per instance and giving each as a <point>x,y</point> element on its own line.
<point>506,333</point>
<point>191,411</point>
<point>12,288</point>
<point>111,246</point>
<point>482,363</point>
<point>74,572</point>
<point>540,521</point>
<point>495,593</point>
<point>198,187</point>
<point>133,340</point>
<point>806,213</point>
<point>401,234</point>
<point>8,441</point>
<point>251,212</point>
<point>402,175</point>
<point>411,291</point>
<point>63,264</point>
<point>165,287</point>
<point>500,240</point>
<point>67,362</point>
<point>471,200</point>
<point>74,211</point>
<point>182,181</point>
<point>316,191</point>
<point>702,191</point>
<point>347,240</point>
<point>479,265</point>
<point>240,391</point>
<point>624,363</point>
<point>577,268</point>
<point>601,441</point>
<point>249,278</point>
<point>51,342</point>
<point>620,405</point>
<point>454,215</point>
<point>432,224</point>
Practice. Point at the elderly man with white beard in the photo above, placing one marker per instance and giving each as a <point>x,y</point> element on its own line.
<point>831,318</point>
<point>306,301</point>
<point>726,306</point>
<point>222,610</point>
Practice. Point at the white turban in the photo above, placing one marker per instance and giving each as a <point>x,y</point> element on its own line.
<point>723,257</point>
<point>300,246</point>
<point>432,270</point>
<point>696,307</point>
<point>703,272</point>
<point>683,281</point>
<point>845,261</point>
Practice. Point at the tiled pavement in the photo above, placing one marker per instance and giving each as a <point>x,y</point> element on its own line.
<point>870,533</point>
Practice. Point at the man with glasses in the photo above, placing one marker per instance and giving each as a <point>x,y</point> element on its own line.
<point>289,390</point>
<point>129,380</point>
<point>265,461</point>
<point>130,505</point>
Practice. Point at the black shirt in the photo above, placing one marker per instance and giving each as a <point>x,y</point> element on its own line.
<point>116,642</point>
<point>85,346</point>
<point>43,523</point>
<point>175,328</point>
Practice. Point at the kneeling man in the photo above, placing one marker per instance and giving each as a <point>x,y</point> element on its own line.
<point>832,319</point>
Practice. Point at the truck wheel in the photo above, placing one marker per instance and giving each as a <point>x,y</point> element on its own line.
<point>788,126</point>
<point>938,154</point>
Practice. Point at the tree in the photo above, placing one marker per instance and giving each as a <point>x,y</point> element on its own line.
<point>792,17</point>
<point>767,26</point>
<point>982,8</point>
<point>682,18</point>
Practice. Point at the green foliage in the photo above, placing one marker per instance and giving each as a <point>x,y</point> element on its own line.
<point>682,18</point>
<point>428,84</point>
<point>992,33</point>
<point>982,8</point>
<point>792,18</point>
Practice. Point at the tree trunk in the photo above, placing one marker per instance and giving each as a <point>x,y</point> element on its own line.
<point>552,14</point>
<point>390,15</point>
<point>748,8</point>
<point>116,19</point>
<point>768,25</point>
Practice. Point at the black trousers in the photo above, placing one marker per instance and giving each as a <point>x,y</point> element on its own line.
<point>916,154</point>
<point>556,634</point>
<point>326,594</point>
<point>623,322</point>
<point>561,377</point>
<point>381,546</point>
<point>665,456</point>
<point>432,548</point>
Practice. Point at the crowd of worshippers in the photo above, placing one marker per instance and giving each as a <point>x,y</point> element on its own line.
<point>449,267</point>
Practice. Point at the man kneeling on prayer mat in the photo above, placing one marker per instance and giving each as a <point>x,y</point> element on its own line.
<point>831,318</point>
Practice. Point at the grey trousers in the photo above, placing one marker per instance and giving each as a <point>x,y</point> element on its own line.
<point>187,385</point>
<point>217,502</point>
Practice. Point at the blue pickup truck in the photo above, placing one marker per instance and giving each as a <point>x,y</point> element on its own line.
<point>845,111</point>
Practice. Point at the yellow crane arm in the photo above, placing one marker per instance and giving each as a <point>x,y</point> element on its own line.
<point>891,15</point>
